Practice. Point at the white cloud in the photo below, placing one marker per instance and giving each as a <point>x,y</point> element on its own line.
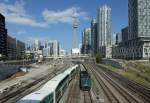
<point>33,38</point>
<point>6,0</point>
<point>64,16</point>
<point>20,32</point>
<point>16,13</point>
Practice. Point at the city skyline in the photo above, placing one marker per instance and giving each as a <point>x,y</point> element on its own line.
<point>85,14</point>
<point>74,51</point>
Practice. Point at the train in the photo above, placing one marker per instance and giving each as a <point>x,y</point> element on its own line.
<point>53,90</point>
<point>85,79</point>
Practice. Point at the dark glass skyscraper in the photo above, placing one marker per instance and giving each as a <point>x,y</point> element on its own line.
<point>3,36</point>
<point>94,36</point>
<point>86,41</point>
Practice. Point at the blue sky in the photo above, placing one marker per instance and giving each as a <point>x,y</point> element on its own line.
<point>28,20</point>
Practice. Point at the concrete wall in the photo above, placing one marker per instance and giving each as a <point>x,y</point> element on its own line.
<point>8,70</point>
<point>113,62</point>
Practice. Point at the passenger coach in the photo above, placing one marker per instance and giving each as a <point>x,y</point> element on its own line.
<point>53,90</point>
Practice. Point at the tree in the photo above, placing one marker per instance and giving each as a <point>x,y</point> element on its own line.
<point>3,57</point>
<point>98,58</point>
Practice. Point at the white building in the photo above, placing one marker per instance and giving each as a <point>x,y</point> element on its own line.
<point>75,52</point>
<point>55,48</point>
<point>37,45</point>
<point>51,49</point>
<point>62,53</point>
<point>104,30</point>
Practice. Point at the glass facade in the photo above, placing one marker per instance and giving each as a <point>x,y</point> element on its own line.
<point>139,18</point>
<point>86,41</point>
<point>143,18</point>
<point>94,36</point>
<point>104,26</point>
<point>3,36</point>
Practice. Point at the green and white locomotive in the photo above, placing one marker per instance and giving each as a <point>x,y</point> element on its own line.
<point>85,79</point>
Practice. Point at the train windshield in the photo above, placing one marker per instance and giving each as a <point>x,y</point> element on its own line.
<point>84,75</point>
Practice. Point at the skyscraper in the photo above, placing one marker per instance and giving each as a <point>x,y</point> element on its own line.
<point>139,19</point>
<point>37,45</point>
<point>86,41</point>
<point>51,49</point>
<point>104,25</point>
<point>11,48</point>
<point>20,49</point>
<point>55,48</point>
<point>116,38</point>
<point>104,30</point>
<point>136,36</point>
<point>3,36</point>
<point>94,36</point>
<point>139,28</point>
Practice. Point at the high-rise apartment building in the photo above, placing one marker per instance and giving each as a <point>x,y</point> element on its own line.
<point>15,48</point>
<point>94,36</point>
<point>136,37</point>
<point>55,48</point>
<point>116,38</point>
<point>11,48</point>
<point>86,41</point>
<point>104,31</point>
<point>20,49</point>
<point>104,25</point>
<point>139,19</point>
<point>3,37</point>
<point>37,45</point>
<point>51,49</point>
<point>139,28</point>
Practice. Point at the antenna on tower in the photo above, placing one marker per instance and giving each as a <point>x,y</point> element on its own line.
<point>75,26</point>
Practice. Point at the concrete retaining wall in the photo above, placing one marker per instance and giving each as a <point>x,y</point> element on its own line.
<point>113,62</point>
<point>8,70</point>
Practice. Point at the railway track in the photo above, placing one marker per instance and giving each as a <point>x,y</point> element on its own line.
<point>24,90</point>
<point>118,93</point>
<point>111,97</point>
<point>87,97</point>
<point>76,95</point>
<point>14,96</point>
<point>73,91</point>
<point>127,96</point>
<point>136,88</point>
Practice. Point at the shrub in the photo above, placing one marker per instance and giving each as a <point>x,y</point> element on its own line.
<point>98,58</point>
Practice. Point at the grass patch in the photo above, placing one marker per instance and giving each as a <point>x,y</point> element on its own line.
<point>135,77</point>
<point>142,77</point>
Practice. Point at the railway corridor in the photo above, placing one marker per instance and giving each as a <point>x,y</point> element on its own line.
<point>76,95</point>
<point>112,91</point>
<point>26,89</point>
